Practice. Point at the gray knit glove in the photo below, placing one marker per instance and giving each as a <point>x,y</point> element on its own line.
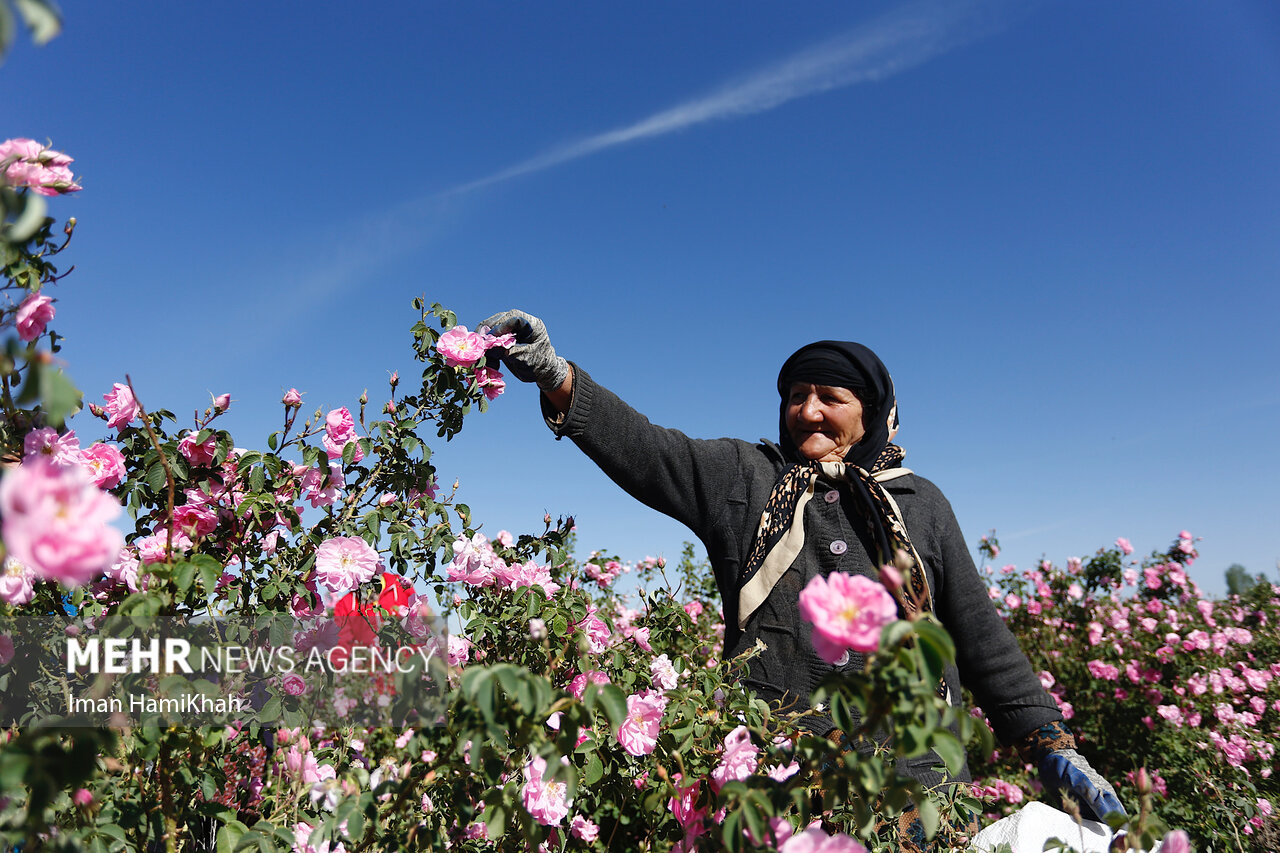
<point>531,358</point>
<point>1067,772</point>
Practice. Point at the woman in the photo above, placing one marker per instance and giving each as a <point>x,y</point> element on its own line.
<point>831,495</point>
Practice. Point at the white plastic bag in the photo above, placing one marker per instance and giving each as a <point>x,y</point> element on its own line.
<point>1027,830</point>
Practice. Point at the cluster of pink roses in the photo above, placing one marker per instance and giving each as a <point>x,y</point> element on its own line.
<point>102,462</point>
<point>463,348</point>
<point>1145,642</point>
<point>475,562</point>
<point>27,163</point>
<point>603,575</point>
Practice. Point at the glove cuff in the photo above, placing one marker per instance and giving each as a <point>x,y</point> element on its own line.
<point>553,375</point>
<point>1044,740</point>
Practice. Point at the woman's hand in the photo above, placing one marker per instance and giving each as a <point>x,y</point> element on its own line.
<point>531,358</point>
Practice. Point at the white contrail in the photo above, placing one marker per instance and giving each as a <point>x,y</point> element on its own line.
<point>895,42</point>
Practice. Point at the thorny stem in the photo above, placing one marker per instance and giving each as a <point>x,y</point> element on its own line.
<point>355,499</point>
<point>164,462</point>
<point>8,397</point>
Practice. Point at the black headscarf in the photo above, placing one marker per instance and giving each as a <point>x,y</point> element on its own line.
<point>847,365</point>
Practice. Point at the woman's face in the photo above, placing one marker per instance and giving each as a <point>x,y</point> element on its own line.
<point>824,421</point>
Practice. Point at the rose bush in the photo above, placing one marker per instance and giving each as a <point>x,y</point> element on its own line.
<point>570,715</point>
<point>573,713</point>
<point>1172,695</point>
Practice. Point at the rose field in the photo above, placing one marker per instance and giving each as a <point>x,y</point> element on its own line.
<point>545,696</point>
<point>301,638</point>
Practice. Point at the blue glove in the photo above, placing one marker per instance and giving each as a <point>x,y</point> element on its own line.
<point>1067,772</point>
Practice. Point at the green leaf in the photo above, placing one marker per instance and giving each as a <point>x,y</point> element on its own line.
<point>155,477</point>
<point>930,819</point>
<point>41,18</point>
<point>495,819</point>
<point>6,39</point>
<point>31,213</point>
<point>58,396</point>
<point>615,704</point>
<point>593,772</point>
<point>210,571</point>
<point>183,574</point>
<point>949,748</point>
<point>348,454</point>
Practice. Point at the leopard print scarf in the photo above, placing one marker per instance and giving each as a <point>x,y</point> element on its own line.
<point>780,536</point>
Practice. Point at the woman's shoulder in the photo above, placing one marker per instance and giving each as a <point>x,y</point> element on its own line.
<point>921,490</point>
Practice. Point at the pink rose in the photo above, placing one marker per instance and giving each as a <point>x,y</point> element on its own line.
<point>124,569</point>
<point>890,577</point>
<point>815,840</point>
<point>1125,546</point>
<point>847,612</point>
<point>62,450</point>
<point>6,649</point>
<point>58,522</point>
<point>339,431</point>
<point>781,773</point>
<point>1102,670</point>
<point>320,487</point>
<point>490,382</point>
<point>545,801</point>
<point>195,520</point>
<point>222,402</point>
<point>663,673</point>
<point>121,406</point>
<point>34,314</point>
<point>580,681</point>
<point>682,804</point>
<point>459,650</point>
<point>27,163</point>
<point>17,582</point>
<point>201,454</point>
<point>292,399</point>
<point>583,829</point>
<point>460,347</point>
<point>345,562</point>
<point>105,465</point>
<point>491,341</point>
<point>740,759</point>
<point>293,684</point>
<point>521,575</point>
<point>1176,842</point>
<point>21,149</point>
<point>638,733</point>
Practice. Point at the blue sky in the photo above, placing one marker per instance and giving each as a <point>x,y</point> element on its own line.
<point>1055,222</point>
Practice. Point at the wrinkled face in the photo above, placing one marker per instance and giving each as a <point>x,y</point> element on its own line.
<point>824,421</point>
